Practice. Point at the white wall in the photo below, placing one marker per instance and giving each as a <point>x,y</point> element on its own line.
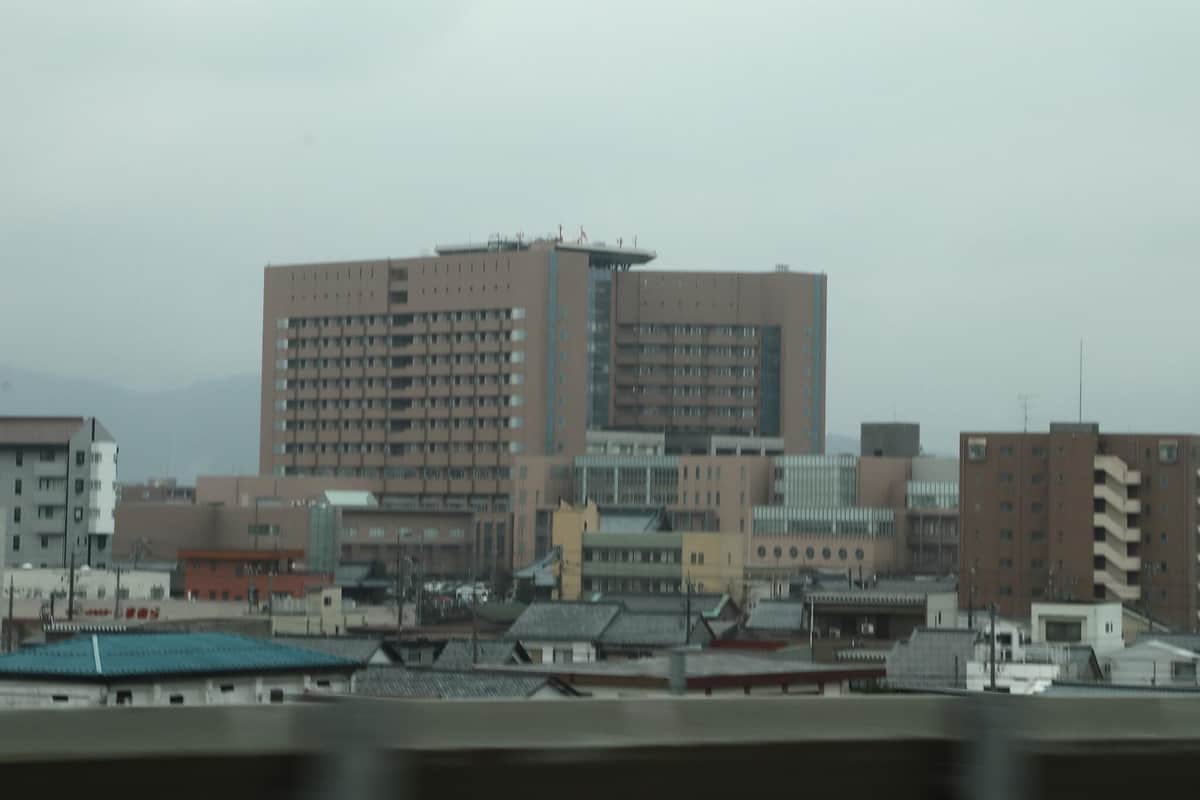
<point>581,652</point>
<point>941,610</point>
<point>103,500</point>
<point>1150,664</point>
<point>91,585</point>
<point>1016,678</point>
<point>1100,623</point>
<point>230,690</point>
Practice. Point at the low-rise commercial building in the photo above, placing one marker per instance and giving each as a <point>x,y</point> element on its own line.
<point>639,553</point>
<point>250,575</point>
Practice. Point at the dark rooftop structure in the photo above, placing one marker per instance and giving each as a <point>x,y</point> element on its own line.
<point>777,616</point>
<point>639,631</point>
<point>461,654</point>
<point>710,606</point>
<point>704,670</point>
<point>564,622</point>
<point>453,685</point>
<point>362,650</point>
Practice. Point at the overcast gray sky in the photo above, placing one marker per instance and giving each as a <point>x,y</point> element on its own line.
<point>985,183</point>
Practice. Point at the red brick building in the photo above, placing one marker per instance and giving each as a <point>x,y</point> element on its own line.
<point>231,574</point>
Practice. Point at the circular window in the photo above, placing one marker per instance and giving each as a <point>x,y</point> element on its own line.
<point>810,553</point>
<point>762,552</point>
<point>794,552</point>
<point>842,553</point>
<point>859,554</point>
<point>778,551</point>
<point>826,553</point>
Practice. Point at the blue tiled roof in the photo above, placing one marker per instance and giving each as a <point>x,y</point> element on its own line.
<point>145,654</point>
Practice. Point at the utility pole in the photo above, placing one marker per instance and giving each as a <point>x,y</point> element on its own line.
<point>474,618</point>
<point>117,600</point>
<point>993,646</point>
<point>8,634</point>
<point>971,599</point>
<point>399,596</point>
<point>687,614</point>
<point>71,589</point>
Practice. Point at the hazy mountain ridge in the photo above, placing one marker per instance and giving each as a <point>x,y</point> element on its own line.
<point>204,428</point>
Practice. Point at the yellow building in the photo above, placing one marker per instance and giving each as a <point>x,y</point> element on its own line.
<point>632,553</point>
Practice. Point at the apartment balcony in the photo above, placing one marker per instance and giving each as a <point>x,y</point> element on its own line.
<point>1125,505</point>
<point>1118,528</point>
<point>1123,591</point>
<point>405,486</point>
<point>49,527</point>
<point>631,569</point>
<point>1122,561</point>
<point>1118,470</point>
<point>51,469</point>
<point>462,459</point>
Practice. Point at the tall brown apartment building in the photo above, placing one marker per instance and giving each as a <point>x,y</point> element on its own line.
<point>1075,514</point>
<point>427,376</point>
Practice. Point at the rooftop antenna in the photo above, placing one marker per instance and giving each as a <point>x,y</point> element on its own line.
<point>582,235</point>
<point>560,232</point>
<point>1026,400</point>
<point>1081,380</point>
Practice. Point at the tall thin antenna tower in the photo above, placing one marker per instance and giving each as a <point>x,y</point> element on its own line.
<point>1026,400</point>
<point>1081,380</point>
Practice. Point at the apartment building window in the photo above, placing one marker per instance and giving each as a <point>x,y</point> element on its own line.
<point>976,449</point>
<point>1038,478</point>
<point>1006,477</point>
<point>1006,506</point>
<point>1006,591</point>
<point>47,456</point>
<point>45,541</point>
<point>78,486</point>
<point>17,486</point>
<point>16,543</point>
<point>1006,563</point>
<point>1168,452</point>
<point>80,458</point>
<point>1006,534</point>
<point>20,456</point>
<point>16,515</point>
<point>1038,536</point>
<point>78,514</point>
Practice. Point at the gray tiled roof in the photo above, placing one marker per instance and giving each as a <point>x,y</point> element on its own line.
<point>348,647</point>
<point>563,622</point>
<point>931,658</point>
<point>776,615</point>
<point>412,683</point>
<point>458,654</point>
<point>647,630</point>
<point>1185,641</point>
<point>666,603</point>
